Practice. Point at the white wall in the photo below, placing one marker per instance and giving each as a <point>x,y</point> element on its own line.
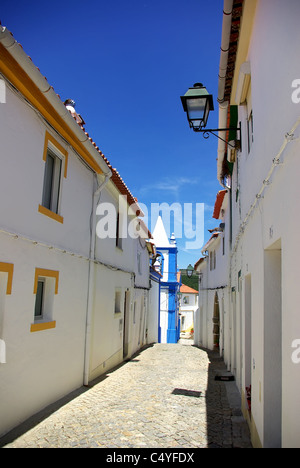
<point>124,269</point>
<point>188,310</point>
<point>273,225</point>
<point>22,176</point>
<point>40,366</point>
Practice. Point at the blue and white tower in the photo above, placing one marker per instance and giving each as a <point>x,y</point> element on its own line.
<point>169,322</point>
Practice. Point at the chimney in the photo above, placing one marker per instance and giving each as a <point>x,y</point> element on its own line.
<point>70,105</point>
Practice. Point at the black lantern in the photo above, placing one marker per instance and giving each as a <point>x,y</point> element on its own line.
<point>197,103</point>
<point>189,271</point>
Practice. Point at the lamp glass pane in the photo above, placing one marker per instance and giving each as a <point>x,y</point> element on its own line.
<point>196,108</point>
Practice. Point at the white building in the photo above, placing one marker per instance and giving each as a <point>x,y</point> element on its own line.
<point>188,308</point>
<point>212,271</point>
<point>259,89</point>
<point>72,305</point>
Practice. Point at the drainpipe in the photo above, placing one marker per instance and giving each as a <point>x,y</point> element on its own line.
<point>91,280</point>
<point>225,43</point>
<point>223,105</point>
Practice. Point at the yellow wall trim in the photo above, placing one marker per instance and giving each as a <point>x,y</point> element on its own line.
<point>50,214</point>
<point>8,268</point>
<point>17,76</point>
<point>42,272</point>
<point>49,137</point>
<point>246,28</point>
<point>42,326</point>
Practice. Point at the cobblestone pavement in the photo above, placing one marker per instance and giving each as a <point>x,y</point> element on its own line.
<point>165,397</point>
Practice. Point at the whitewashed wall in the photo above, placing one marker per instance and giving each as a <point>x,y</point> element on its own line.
<point>40,366</point>
<point>124,270</point>
<point>270,234</point>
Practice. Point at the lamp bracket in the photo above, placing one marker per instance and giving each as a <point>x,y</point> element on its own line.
<point>207,132</point>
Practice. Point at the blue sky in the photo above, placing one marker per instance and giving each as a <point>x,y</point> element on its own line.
<point>126,63</point>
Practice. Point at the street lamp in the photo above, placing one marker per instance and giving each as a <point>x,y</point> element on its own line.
<point>197,103</point>
<point>189,270</point>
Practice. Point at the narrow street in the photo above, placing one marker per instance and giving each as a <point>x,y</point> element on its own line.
<point>165,397</point>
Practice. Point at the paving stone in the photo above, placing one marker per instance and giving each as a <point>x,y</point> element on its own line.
<point>166,397</point>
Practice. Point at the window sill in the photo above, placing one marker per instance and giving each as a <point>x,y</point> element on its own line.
<point>50,214</point>
<point>39,326</point>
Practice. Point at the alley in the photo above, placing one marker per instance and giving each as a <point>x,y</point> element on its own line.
<point>165,397</point>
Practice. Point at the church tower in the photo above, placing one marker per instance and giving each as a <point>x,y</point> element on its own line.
<point>169,322</point>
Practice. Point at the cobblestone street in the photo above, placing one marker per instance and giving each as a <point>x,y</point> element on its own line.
<point>165,397</point>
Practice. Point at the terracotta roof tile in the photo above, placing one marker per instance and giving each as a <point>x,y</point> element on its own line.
<point>187,290</point>
<point>218,203</point>
<point>201,260</point>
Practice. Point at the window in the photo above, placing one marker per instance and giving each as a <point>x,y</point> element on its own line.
<point>118,232</point>
<point>56,163</point>
<point>186,300</point>
<point>39,300</point>
<point>250,131</point>
<point>139,263</point>
<point>52,180</point>
<point>118,302</point>
<point>250,127</point>
<point>244,98</point>
<point>212,260</point>
<point>45,288</point>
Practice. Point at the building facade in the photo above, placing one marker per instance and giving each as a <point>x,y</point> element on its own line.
<point>259,322</point>
<point>211,330</point>
<point>188,308</point>
<point>73,302</point>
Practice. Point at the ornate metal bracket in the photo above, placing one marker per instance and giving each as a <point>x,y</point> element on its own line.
<point>207,132</point>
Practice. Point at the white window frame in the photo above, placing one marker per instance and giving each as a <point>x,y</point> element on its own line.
<point>52,181</point>
<point>49,279</point>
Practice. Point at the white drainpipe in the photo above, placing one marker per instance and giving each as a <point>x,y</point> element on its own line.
<point>223,105</point>
<point>226,29</point>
